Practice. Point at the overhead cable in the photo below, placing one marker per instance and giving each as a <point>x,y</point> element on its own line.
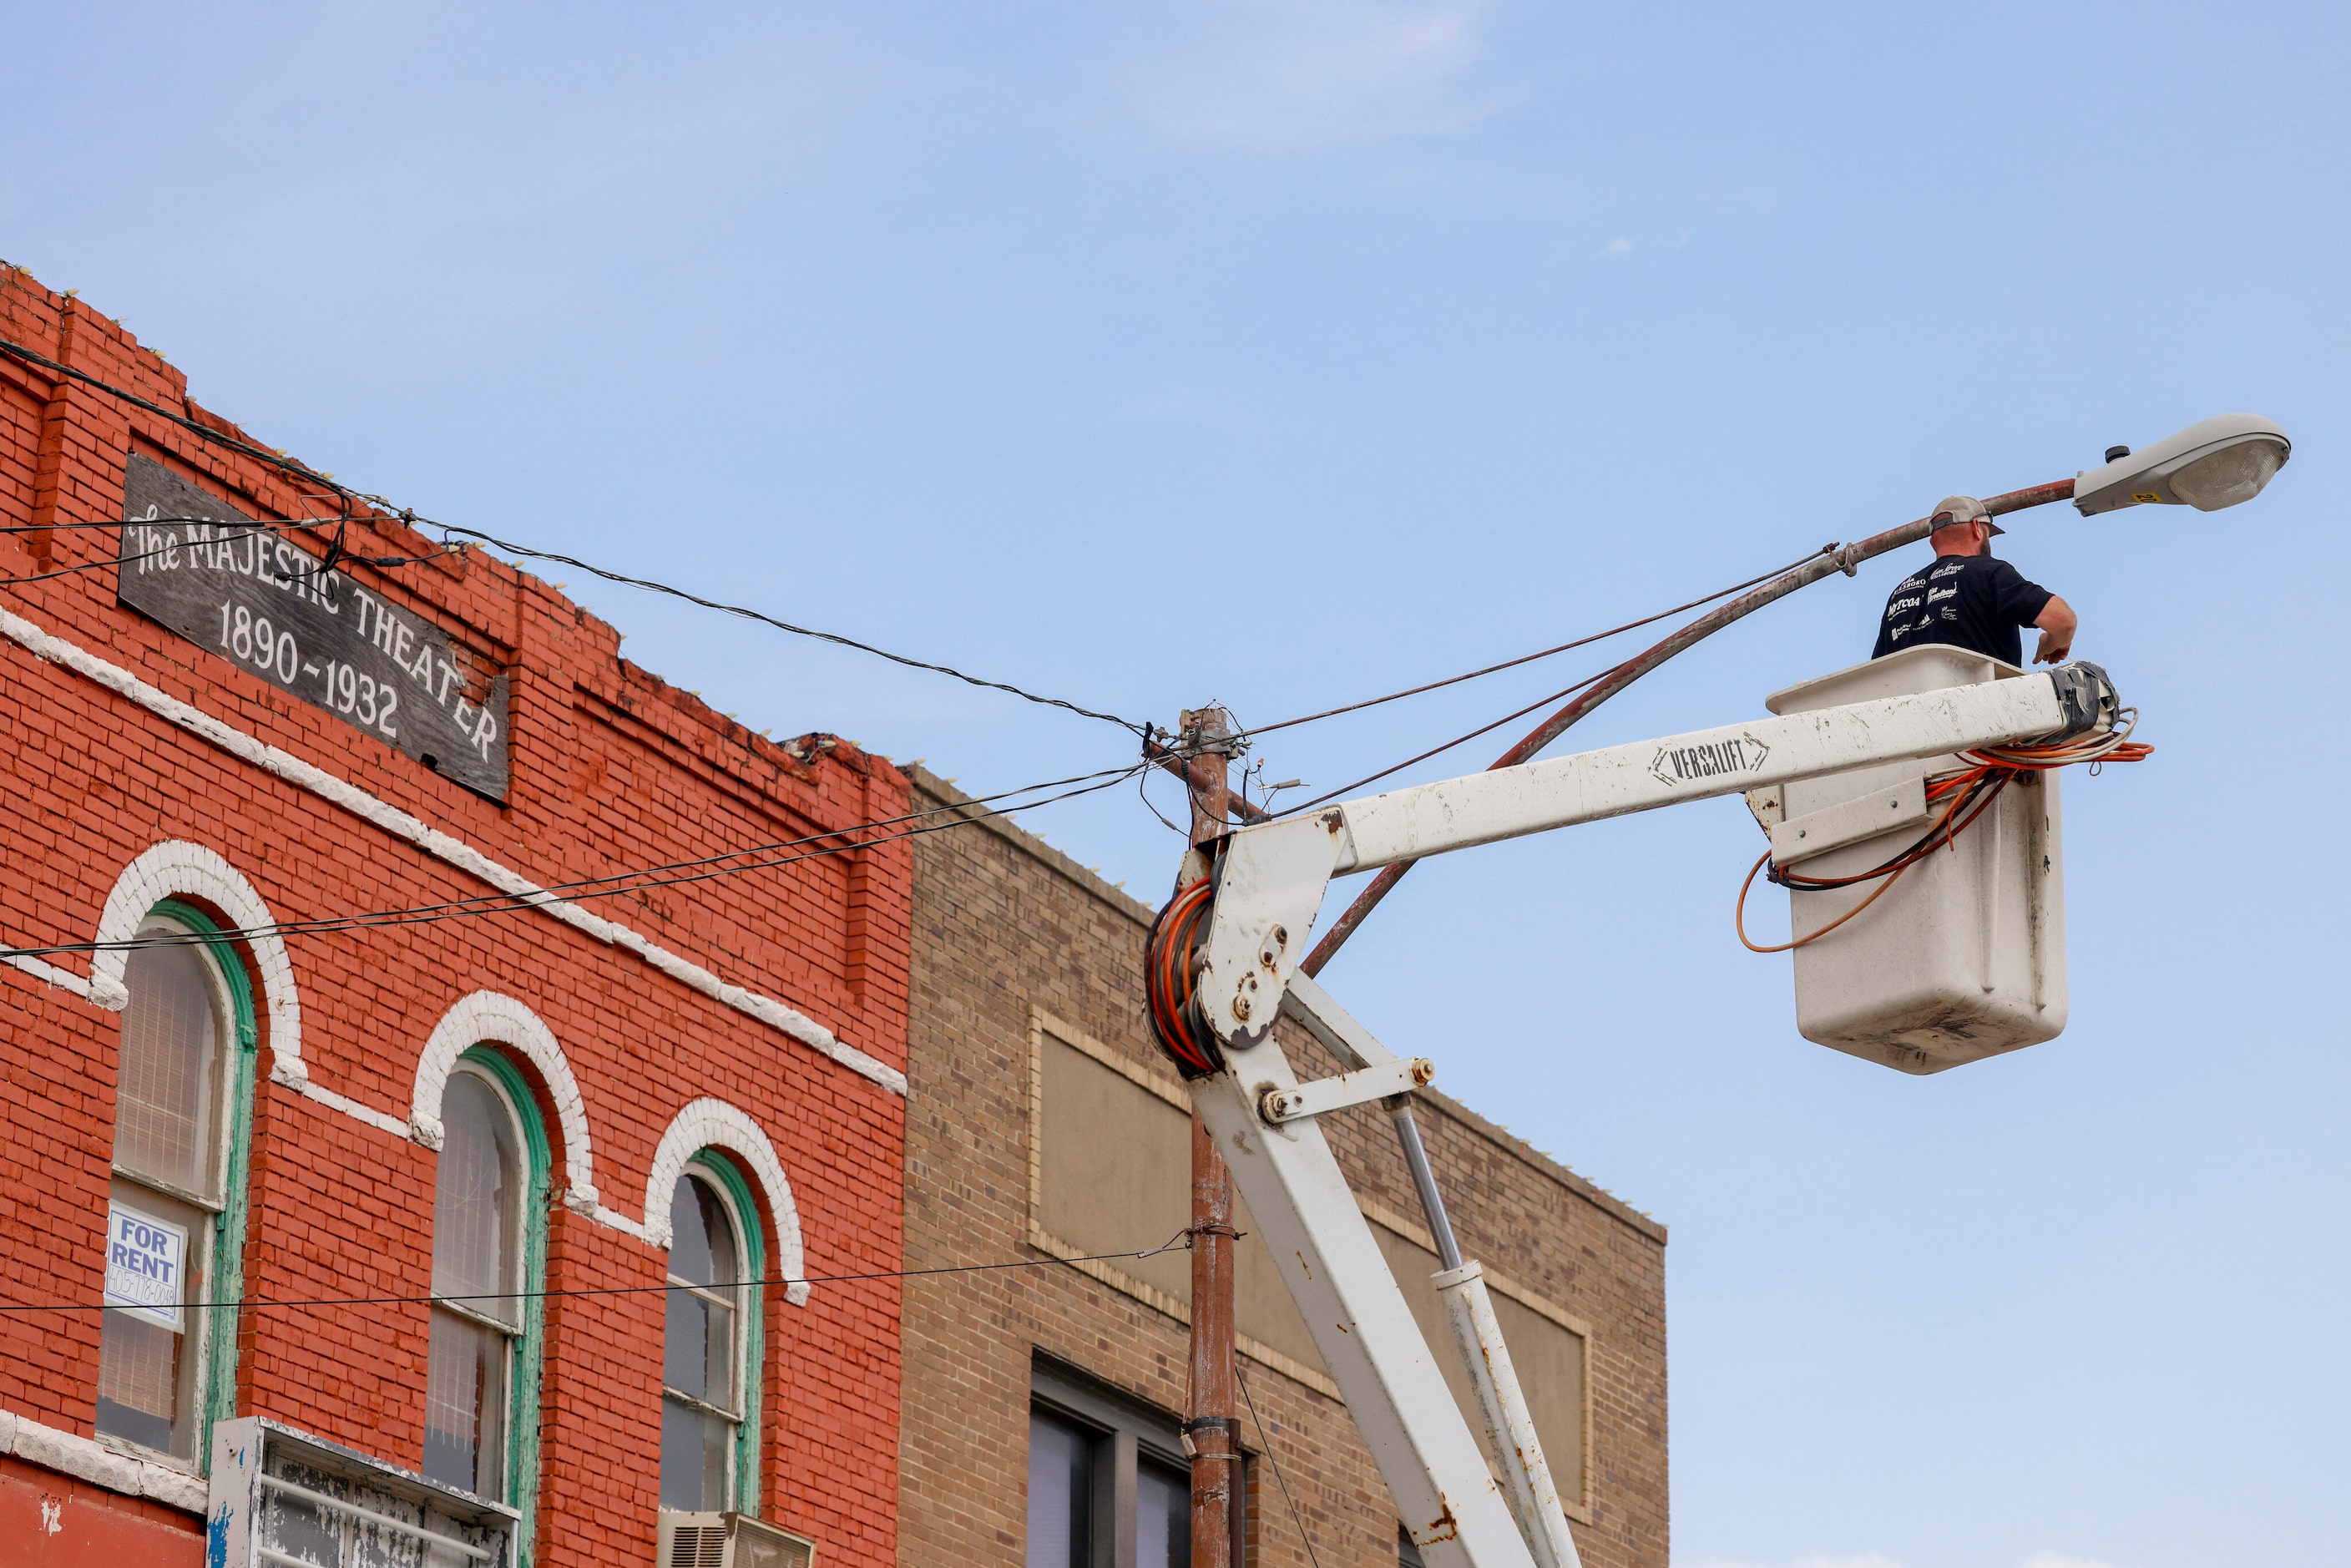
<point>408,516</point>
<point>1531,658</point>
<point>1436,750</point>
<point>1265,1441</point>
<point>1180,1242</point>
<point>241,530</point>
<point>703,870</point>
<point>767,620</point>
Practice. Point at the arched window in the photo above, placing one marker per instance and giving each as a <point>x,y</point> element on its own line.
<point>711,1345</point>
<point>175,1220</point>
<point>488,1254</point>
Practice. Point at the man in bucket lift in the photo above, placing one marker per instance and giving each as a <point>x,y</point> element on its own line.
<point>1969,599</point>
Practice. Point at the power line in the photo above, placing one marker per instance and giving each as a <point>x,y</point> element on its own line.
<point>252,528</point>
<point>1492,669</point>
<point>409,517</point>
<point>1266,1438</point>
<point>1544,653</point>
<point>1456,740</point>
<point>1180,1242</point>
<point>601,887</point>
<point>766,620</point>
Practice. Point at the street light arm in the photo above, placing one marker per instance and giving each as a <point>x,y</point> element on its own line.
<point>1830,560</point>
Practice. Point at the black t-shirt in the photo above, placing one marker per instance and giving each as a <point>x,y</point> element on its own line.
<point>1966,600</point>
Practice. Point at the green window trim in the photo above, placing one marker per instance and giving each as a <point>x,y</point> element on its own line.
<point>523,1400</point>
<point>721,1170</point>
<point>229,1225</point>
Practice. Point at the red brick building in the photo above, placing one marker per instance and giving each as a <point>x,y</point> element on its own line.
<point>363,1183</point>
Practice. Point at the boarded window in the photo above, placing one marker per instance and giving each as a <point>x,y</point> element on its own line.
<point>1114,1169</point>
<point>1115,1174</point>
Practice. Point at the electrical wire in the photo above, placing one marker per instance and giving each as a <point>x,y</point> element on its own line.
<point>66,527</point>
<point>1438,750</point>
<point>409,517</point>
<point>1531,658</point>
<point>1246,734</point>
<point>1180,1242</point>
<point>766,620</point>
<point>244,531</point>
<point>1265,1440</point>
<point>636,881</point>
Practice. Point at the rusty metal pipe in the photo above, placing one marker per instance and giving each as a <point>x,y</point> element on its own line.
<point>1842,559</point>
<point>1212,1416</point>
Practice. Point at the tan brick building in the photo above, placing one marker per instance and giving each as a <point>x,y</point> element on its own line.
<point>1042,1402</point>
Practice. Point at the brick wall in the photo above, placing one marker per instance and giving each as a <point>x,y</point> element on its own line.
<point>1004,924</point>
<point>611,769</point>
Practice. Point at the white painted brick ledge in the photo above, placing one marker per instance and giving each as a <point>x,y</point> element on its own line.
<point>400,824</point>
<point>87,1459</point>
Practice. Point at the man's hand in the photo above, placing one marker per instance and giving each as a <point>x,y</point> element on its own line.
<point>2058,623</point>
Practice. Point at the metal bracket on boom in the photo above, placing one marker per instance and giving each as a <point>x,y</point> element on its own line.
<point>1818,832</point>
<point>1326,1095</point>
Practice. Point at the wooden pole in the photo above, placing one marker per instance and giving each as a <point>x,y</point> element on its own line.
<point>1212,1421</point>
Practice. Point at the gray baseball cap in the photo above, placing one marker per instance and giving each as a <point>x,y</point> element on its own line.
<point>1953,509</point>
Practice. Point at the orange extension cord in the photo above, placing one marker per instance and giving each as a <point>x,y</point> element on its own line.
<point>1167,981</point>
<point>1969,792</point>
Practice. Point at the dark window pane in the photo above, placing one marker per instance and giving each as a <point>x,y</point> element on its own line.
<point>465,1405</point>
<point>1163,1518</point>
<point>686,1344</point>
<point>1407,1554</point>
<point>702,1243</point>
<point>695,1448</point>
<point>1061,1491</point>
<point>699,1351</point>
<point>138,1381</point>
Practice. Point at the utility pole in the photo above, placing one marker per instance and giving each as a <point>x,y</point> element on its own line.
<point>1211,1423</point>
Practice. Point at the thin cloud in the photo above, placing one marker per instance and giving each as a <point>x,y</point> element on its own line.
<point>1289,74</point>
<point>1620,247</point>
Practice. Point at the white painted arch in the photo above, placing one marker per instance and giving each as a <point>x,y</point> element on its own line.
<point>492,1018</point>
<point>178,869</point>
<point>709,1124</point>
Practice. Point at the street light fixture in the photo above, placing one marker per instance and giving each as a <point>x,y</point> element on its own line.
<point>2212,463</point>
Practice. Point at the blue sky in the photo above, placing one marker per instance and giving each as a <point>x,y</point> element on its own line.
<point>1288,352</point>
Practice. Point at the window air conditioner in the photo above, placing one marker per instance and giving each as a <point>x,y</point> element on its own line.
<point>281,1496</point>
<point>728,1540</point>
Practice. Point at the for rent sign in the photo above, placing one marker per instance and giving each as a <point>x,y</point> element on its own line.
<point>258,600</point>
<point>146,1266</point>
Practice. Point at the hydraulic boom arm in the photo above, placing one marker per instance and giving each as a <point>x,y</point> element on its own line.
<point>1270,882</point>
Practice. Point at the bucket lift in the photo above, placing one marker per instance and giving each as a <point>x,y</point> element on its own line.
<point>1223,966</point>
